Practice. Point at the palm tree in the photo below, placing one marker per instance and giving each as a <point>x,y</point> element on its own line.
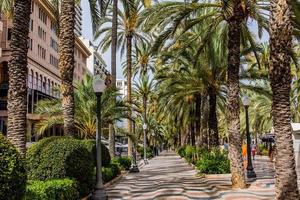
<point>114,40</point>
<point>180,17</point>
<point>66,63</point>
<point>66,52</point>
<point>17,92</point>
<point>128,34</point>
<point>280,77</point>
<point>85,107</point>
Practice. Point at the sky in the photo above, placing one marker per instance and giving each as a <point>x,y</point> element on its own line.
<point>87,33</point>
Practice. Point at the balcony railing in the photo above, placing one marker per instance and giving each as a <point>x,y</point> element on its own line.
<point>42,85</point>
<point>3,105</point>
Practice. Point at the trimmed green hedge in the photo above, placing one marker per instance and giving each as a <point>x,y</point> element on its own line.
<point>12,171</point>
<point>123,162</point>
<point>55,189</point>
<point>105,156</point>
<point>213,162</point>
<point>61,157</point>
<point>149,152</point>
<point>110,172</point>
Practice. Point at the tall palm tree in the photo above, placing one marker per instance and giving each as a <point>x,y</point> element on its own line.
<point>114,40</point>
<point>17,71</point>
<point>180,17</point>
<point>66,62</point>
<point>66,53</point>
<point>128,34</point>
<point>280,78</point>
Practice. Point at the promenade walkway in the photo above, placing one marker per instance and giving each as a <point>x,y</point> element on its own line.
<point>169,177</point>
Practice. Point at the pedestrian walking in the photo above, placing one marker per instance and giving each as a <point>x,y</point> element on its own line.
<point>244,153</point>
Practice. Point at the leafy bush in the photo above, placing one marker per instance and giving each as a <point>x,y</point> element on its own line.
<point>12,171</point>
<point>213,162</point>
<point>110,172</point>
<point>60,158</point>
<point>189,153</point>
<point>149,152</point>
<point>123,162</point>
<point>105,156</point>
<point>55,189</point>
<point>181,151</point>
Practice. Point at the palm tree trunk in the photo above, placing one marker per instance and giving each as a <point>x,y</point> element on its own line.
<point>114,38</point>
<point>198,116</point>
<point>17,93</point>
<point>235,140</point>
<point>212,119</point>
<point>280,77</point>
<point>129,75</point>
<point>66,63</point>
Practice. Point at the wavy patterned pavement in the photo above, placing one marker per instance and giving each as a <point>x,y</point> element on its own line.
<point>169,177</point>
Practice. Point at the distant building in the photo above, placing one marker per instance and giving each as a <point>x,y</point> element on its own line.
<point>121,84</point>
<point>43,71</point>
<point>78,21</point>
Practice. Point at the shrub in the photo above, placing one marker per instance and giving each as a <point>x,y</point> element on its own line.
<point>105,156</point>
<point>149,152</point>
<point>189,153</point>
<point>12,171</point>
<point>55,189</point>
<point>213,162</point>
<point>60,158</point>
<point>181,151</point>
<point>110,172</point>
<point>123,162</point>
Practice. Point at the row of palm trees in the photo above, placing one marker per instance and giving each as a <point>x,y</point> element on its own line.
<point>196,49</point>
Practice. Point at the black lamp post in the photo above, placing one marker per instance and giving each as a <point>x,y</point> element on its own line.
<point>145,143</point>
<point>135,167</point>
<point>99,192</point>
<point>250,169</point>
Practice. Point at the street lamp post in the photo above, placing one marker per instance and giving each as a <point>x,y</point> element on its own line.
<point>250,169</point>
<point>99,192</point>
<point>135,167</point>
<point>145,143</point>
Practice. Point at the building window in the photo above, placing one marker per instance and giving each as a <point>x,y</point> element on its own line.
<point>119,84</point>
<point>41,52</point>
<point>31,24</point>
<point>53,27</point>
<point>53,61</point>
<point>9,34</point>
<point>42,33</point>
<point>32,6</point>
<point>30,44</point>
<point>54,44</point>
<point>42,16</point>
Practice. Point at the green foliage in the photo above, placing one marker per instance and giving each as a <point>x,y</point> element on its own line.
<point>189,152</point>
<point>181,151</point>
<point>213,162</point>
<point>12,171</point>
<point>60,158</point>
<point>55,189</point>
<point>91,147</point>
<point>123,162</point>
<point>149,152</point>
<point>110,172</point>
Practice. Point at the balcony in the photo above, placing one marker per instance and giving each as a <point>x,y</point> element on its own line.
<point>3,105</point>
<point>42,86</point>
<point>3,89</point>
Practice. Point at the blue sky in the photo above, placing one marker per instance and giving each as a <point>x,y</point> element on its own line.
<point>87,33</point>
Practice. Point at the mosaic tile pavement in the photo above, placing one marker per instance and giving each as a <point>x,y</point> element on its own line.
<point>168,177</point>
